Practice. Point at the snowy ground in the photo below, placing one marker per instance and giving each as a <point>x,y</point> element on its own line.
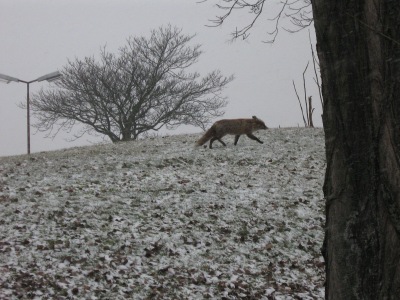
<point>160,219</point>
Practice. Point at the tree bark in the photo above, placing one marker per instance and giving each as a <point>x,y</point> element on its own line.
<point>359,53</point>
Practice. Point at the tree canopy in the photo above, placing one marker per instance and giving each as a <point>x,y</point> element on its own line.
<point>142,88</point>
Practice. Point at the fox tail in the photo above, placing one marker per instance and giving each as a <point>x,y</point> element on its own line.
<point>206,137</point>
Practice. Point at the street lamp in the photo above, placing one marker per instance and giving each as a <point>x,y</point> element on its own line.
<point>48,77</point>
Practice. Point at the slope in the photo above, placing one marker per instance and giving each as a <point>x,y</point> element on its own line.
<point>159,219</point>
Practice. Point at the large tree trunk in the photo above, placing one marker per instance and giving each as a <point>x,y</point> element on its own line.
<point>358,44</point>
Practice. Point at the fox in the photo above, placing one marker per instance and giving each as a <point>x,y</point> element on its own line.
<point>235,127</point>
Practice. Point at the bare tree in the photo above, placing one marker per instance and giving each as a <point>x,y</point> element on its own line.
<point>143,88</point>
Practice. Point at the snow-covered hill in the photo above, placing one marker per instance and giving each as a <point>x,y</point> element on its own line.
<point>160,219</point>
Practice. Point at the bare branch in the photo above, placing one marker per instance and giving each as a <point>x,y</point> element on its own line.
<point>305,93</point>
<point>301,107</point>
<point>277,18</point>
<point>298,12</point>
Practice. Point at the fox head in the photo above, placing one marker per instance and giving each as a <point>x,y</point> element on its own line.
<point>258,124</point>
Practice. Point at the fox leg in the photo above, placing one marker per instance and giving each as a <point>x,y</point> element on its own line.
<point>216,138</point>
<point>254,138</point>
<point>222,142</point>
<point>236,138</point>
<point>212,141</point>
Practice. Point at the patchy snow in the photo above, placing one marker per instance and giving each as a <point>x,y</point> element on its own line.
<point>160,219</point>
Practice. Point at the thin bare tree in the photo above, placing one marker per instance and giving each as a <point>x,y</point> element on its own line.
<point>308,120</point>
<point>145,87</point>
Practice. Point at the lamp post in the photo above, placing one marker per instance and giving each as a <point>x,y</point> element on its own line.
<point>48,77</point>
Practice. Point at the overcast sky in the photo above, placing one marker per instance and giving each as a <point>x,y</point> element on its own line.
<point>37,37</point>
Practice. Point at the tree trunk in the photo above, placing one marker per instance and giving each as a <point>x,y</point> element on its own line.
<point>359,53</point>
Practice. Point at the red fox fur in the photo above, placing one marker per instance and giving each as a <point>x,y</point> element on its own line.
<point>236,127</point>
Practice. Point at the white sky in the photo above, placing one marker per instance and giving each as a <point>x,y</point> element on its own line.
<point>37,37</point>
